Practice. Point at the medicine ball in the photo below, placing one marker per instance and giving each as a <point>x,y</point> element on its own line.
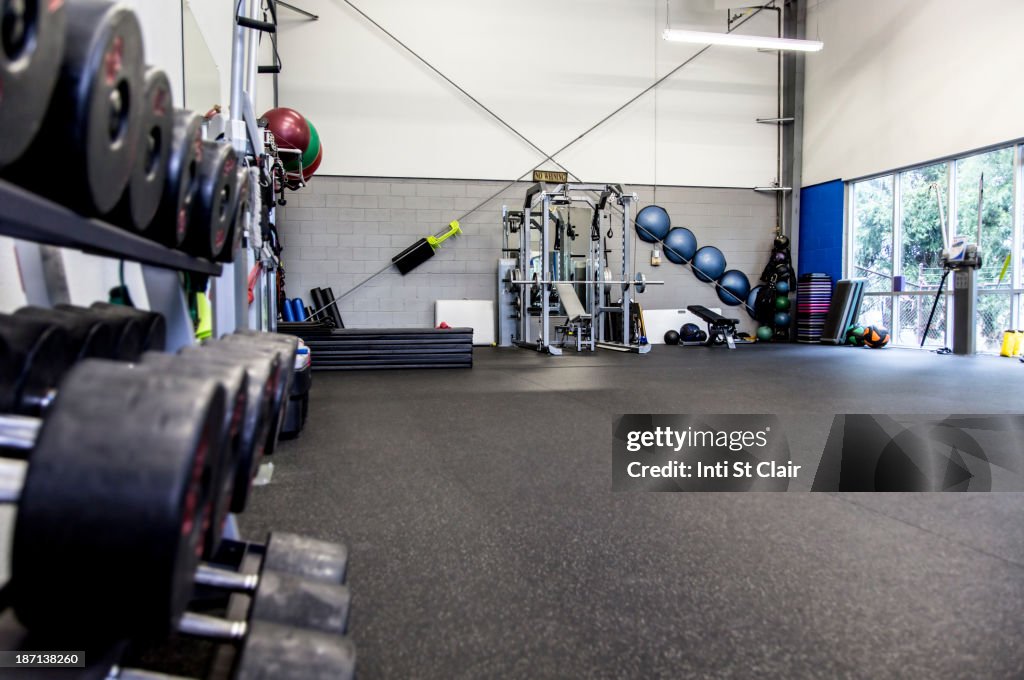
<point>876,337</point>
<point>671,338</point>
<point>781,303</point>
<point>733,287</point>
<point>781,242</point>
<point>708,264</point>
<point>782,287</point>
<point>689,332</point>
<point>652,224</point>
<point>781,318</point>
<point>855,336</point>
<point>764,333</point>
<point>680,245</point>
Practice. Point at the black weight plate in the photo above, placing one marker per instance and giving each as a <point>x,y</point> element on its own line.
<point>275,652</point>
<point>31,47</point>
<point>90,338</point>
<point>263,375</point>
<point>110,522</point>
<point>240,212</point>
<point>213,201</point>
<point>141,199</point>
<point>37,354</point>
<point>154,325</point>
<point>306,557</point>
<point>235,381</point>
<point>174,216</point>
<point>129,330</point>
<point>86,149</point>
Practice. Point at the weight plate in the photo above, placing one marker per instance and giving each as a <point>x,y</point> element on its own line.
<point>109,526</point>
<point>263,373</point>
<point>31,48</point>
<point>285,346</point>
<point>34,357</point>
<point>129,330</point>
<point>213,201</point>
<point>89,337</point>
<point>240,215</point>
<point>154,325</point>
<point>141,199</point>
<point>235,381</point>
<point>276,652</point>
<point>85,152</point>
<point>174,215</point>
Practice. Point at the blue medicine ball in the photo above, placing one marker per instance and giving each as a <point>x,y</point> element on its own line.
<point>708,264</point>
<point>752,301</point>
<point>733,287</point>
<point>680,245</point>
<point>781,318</point>
<point>652,224</point>
<point>782,287</point>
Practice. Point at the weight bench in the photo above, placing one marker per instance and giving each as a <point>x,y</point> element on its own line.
<point>721,330</point>
<point>580,323</point>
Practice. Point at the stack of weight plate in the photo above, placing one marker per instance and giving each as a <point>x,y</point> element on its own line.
<point>813,297</point>
<point>350,349</point>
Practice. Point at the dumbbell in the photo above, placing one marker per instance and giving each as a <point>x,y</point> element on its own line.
<point>84,154</point>
<point>138,205</point>
<point>34,355</point>
<point>93,337</point>
<point>117,485</point>
<point>31,47</point>
<point>264,375</point>
<point>243,193</point>
<point>213,202</point>
<point>286,346</point>
<point>174,215</point>
<point>137,330</point>
<point>154,325</point>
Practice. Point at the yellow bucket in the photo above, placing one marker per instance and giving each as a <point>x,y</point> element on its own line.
<point>1009,340</point>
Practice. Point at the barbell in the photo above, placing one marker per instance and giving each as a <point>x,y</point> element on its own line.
<point>640,281</point>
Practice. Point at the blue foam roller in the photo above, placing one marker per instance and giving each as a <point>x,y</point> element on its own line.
<point>679,245</point>
<point>298,309</point>
<point>287,312</point>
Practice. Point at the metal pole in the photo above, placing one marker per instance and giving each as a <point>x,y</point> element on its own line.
<point>627,297</point>
<point>545,288</point>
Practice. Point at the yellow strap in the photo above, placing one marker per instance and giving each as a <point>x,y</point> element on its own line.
<point>205,313</point>
<point>436,241</point>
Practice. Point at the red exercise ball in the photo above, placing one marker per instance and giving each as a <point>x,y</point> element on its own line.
<point>308,172</point>
<point>289,128</point>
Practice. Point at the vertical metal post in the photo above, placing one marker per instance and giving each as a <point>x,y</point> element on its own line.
<point>545,288</point>
<point>627,291</point>
<point>524,266</point>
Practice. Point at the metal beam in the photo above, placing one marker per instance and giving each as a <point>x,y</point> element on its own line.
<point>299,10</point>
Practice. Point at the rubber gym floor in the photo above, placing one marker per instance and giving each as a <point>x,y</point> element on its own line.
<point>486,543</point>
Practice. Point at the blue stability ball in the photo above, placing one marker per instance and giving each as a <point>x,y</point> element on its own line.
<point>652,224</point>
<point>733,287</point>
<point>752,301</point>
<point>782,287</point>
<point>680,245</point>
<point>781,318</point>
<point>708,264</point>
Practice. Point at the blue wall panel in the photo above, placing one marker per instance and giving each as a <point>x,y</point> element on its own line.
<point>821,229</point>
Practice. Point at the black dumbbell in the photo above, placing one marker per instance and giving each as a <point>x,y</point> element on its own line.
<point>94,338</point>
<point>213,202</point>
<point>173,218</point>
<point>129,511</point>
<point>141,199</point>
<point>264,375</point>
<point>31,47</point>
<point>85,151</point>
<point>154,325</point>
<point>34,355</point>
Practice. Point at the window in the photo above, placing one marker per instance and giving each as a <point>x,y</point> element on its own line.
<point>896,239</point>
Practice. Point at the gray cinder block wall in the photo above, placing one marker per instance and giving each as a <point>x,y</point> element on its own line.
<point>339,230</point>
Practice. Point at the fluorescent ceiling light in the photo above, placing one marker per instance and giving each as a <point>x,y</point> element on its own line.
<point>737,40</point>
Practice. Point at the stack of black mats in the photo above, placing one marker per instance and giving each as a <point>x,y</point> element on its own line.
<point>353,349</point>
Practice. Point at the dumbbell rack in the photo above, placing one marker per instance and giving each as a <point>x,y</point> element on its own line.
<point>30,217</point>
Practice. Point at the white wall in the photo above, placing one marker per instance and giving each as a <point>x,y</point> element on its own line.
<point>551,69</point>
<point>900,82</point>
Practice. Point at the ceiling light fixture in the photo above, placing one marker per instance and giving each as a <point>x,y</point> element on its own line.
<point>737,40</point>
